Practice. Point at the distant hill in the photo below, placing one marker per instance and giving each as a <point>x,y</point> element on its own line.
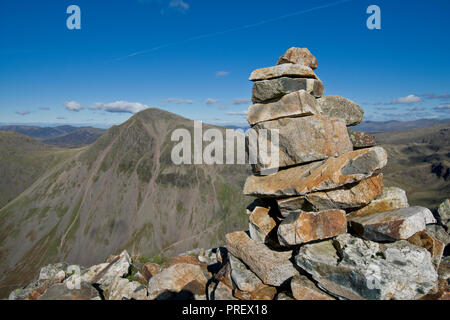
<point>62,136</point>
<point>388,126</point>
<point>121,192</point>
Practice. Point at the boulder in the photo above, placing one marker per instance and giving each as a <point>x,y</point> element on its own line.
<point>340,107</point>
<point>270,90</point>
<point>361,139</point>
<point>63,292</point>
<point>298,56</point>
<point>444,211</point>
<point>354,268</point>
<point>304,289</point>
<point>149,270</point>
<point>391,198</point>
<point>243,277</point>
<point>296,104</point>
<point>425,240</point>
<point>261,225</point>
<point>272,267</point>
<point>123,289</point>
<point>283,70</point>
<point>54,272</point>
<point>392,225</point>
<point>302,227</point>
<point>318,176</point>
<point>301,140</point>
<point>346,197</point>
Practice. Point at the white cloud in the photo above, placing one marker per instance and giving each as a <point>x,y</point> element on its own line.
<point>211,101</point>
<point>444,108</point>
<point>119,107</point>
<point>412,98</point>
<point>178,101</point>
<point>73,106</point>
<point>237,113</point>
<point>222,73</point>
<point>413,109</point>
<point>179,4</point>
<point>22,112</point>
<point>241,101</point>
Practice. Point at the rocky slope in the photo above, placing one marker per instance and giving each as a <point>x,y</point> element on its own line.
<point>122,192</point>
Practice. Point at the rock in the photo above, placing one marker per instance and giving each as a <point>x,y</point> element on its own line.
<point>118,267</point>
<point>302,140</point>
<point>340,107</point>
<point>269,90</point>
<point>244,278</point>
<point>361,139</point>
<point>185,259</point>
<point>438,232</point>
<point>272,267</point>
<point>391,198</point>
<point>346,197</point>
<point>354,268</point>
<point>302,227</point>
<point>298,56</point>
<point>173,279</point>
<point>434,246</point>
<point>123,289</point>
<point>54,272</point>
<point>264,293</point>
<point>220,291</point>
<point>296,104</point>
<point>283,296</point>
<point>261,225</point>
<point>194,290</point>
<point>304,289</point>
<point>62,292</point>
<point>392,225</point>
<point>444,211</point>
<point>283,70</point>
<point>317,176</point>
<point>444,269</point>
<point>32,291</point>
<point>150,269</point>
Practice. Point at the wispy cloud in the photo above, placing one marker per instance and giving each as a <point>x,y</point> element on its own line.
<point>241,101</point>
<point>60,118</point>
<point>412,98</point>
<point>180,5</point>
<point>178,101</point>
<point>443,108</point>
<point>73,106</point>
<point>443,96</point>
<point>237,113</point>
<point>22,112</point>
<point>414,109</point>
<point>211,102</point>
<point>44,108</point>
<point>119,107</point>
<point>222,74</point>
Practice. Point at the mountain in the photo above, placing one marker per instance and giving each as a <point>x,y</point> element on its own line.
<point>419,163</point>
<point>22,161</point>
<point>394,125</point>
<point>62,136</point>
<point>121,192</point>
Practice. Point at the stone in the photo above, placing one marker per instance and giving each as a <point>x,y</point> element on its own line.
<point>271,90</point>
<point>391,198</point>
<point>220,291</point>
<point>150,269</point>
<point>438,232</point>
<point>444,269</point>
<point>123,289</point>
<point>283,296</point>
<point>63,292</point>
<point>302,227</point>
<point>353,268</point>
<point>304,289</point>
<point>54,272</point>
<point>301,140</point>
<point>173,279</point>
<point>194,290</point>
<point>118,267</point>
<point>261,225</point>
<point>318,176</point>
<point>32,291</point>
<point>283,70</point>
<point>272,267</point>
<point>264,293</point>
<point>244,278</point>
<point>434,246</point>
<point>346,197</point>
<point>340,107</point>
<point>298,56</point>
<point>392,225</point>
<point>361,139</point>
<point>444,211</point>
<point>185,259</point>
<point>224,275</point>
<point>296,104</point>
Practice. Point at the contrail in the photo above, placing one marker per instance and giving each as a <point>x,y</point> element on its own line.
<point>209,35</point>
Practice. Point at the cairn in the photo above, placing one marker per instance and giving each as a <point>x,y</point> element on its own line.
<point>323,226</point>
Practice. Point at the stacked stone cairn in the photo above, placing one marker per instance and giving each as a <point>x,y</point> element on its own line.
<point>323,226</point>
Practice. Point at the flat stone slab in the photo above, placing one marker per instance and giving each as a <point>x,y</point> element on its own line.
<point>296,104</point>
<point>392,225</point>
<point>318,176</point>
<point>302,227</point>
<point>304,289</point>
<point>272,267</point>
<point>301,140</point>
<point>346,197</point>
<point>361,139</point>
<point>298,56</point>
<point>283,70</point>
<point>271,90</point>
<point>337,106</point>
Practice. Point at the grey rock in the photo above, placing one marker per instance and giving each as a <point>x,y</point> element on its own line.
<point>361,139</point>
<point>340,107</point>
<point>283,70</point>
<point>63,292</point>
<point>268,90</point>
<point>123,289</point>
<point>243,277</point>
<point>220,291</point>
<point>354,268</point>
<point>283,296</point>
<point>439,233</point>
<point>444,211</point>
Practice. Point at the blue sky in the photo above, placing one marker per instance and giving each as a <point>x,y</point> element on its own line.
<point>193,57</point>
